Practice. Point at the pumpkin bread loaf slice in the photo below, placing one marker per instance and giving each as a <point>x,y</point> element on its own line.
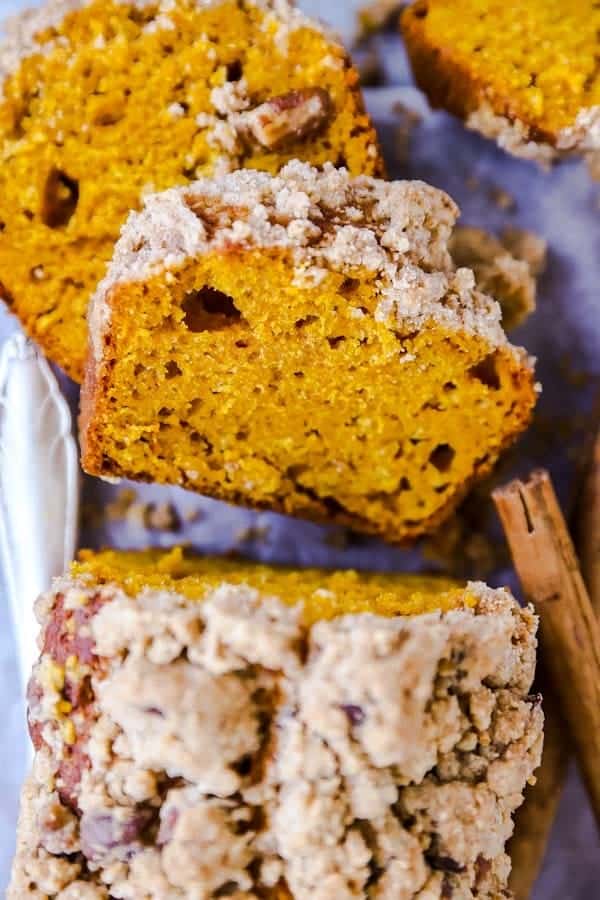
<point>301,343</point>
<point>524,74</point>
<point>102,101</point>
<point>206,728</point>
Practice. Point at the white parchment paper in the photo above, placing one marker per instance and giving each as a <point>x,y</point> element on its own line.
<point>564,207</point>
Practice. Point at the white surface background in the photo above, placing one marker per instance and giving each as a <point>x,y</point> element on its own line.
<point>564,206</point>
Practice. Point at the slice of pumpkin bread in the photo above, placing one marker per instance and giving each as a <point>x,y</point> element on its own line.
<point>206,728</point>
<point>103,100</point>
<point>524,74</point>
<point>301,343</point>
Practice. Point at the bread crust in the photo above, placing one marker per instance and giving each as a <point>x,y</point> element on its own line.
<point>453,86</point>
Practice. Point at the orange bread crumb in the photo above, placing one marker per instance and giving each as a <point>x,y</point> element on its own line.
<point>303,344</point>
<point>324,594</point>
<point>103,101</point>
<point>524,73</point>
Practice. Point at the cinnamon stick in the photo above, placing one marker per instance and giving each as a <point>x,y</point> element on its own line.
<point>549,572</point>
<point>588,526</point>
<point>535,818</point>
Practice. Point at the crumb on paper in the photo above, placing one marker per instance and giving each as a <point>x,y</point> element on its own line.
<point>192,515</point>
<point>118,508</point>
<point>526,245</point>
<point>503,199</point>
<point>466,545</point>
<point>341,538</point>
<point>459,550</point>
<point>473,183</point>
<point>506,268</point>
<point>140,514</point>
<point>370,68</point>
<point>376,15</point>
<point>256,532</point>
<point>161,517</point>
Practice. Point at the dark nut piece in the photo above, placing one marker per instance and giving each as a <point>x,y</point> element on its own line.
<point>289,117</point>
<point>356,714</point>
<point>116,833</point>
<point>444,864</point>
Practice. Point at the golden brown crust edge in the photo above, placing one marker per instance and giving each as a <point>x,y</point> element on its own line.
<point>354,87</point>
<point>449,85</point>
<point>88,409</point>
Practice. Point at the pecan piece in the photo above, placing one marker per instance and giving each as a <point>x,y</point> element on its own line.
<point>483,867</point>
<point>356,714</point>
<point>116,833</point>
<point>289,117</point>
<point>444,864</point>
